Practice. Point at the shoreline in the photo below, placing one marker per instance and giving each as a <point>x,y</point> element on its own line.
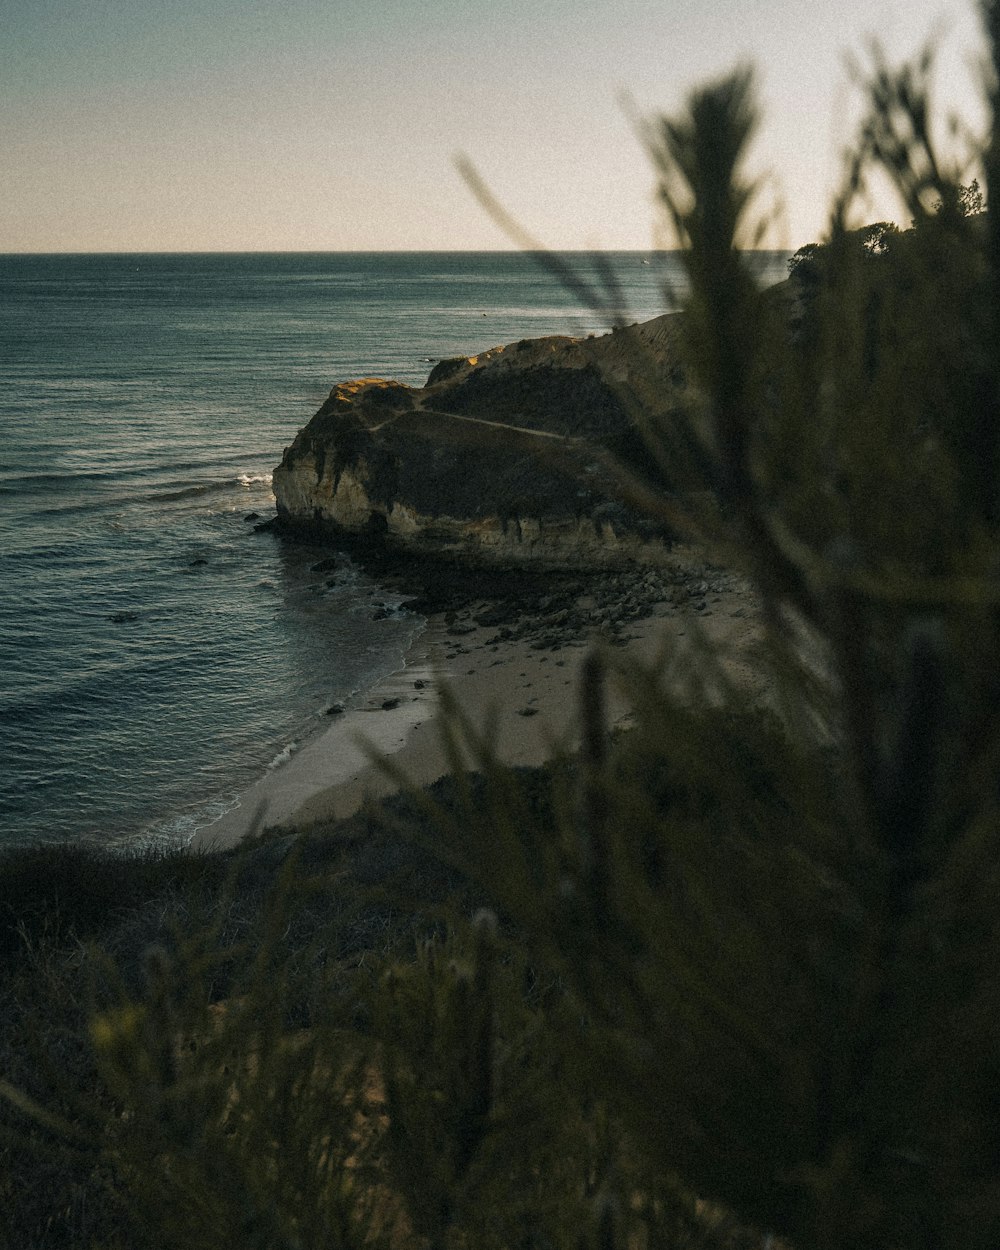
<point>522,679</point>
<point>332,754</point>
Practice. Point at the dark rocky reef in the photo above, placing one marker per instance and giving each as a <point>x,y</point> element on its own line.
<point>501,458</point>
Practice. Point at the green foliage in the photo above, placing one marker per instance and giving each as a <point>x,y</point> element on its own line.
<point>807,265</point>
<point>66,893</point>
<point>812,1083</point>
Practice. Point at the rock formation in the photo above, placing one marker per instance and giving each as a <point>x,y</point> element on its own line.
<point>500,458</point>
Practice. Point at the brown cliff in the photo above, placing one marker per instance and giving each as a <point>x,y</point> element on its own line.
<point>498,458</point>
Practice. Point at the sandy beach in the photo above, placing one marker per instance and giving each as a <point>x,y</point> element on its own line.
<point>523,686</point>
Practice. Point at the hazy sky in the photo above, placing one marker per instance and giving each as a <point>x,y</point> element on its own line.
<point>168,125</point>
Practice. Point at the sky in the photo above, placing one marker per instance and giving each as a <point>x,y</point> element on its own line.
<point>334,125</point>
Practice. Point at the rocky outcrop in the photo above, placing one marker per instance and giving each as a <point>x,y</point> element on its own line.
<point>499,458</point>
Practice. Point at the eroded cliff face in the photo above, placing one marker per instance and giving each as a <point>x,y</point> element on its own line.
<point>499,458</point>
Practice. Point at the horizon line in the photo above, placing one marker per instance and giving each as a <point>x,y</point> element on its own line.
<point>385,251</point>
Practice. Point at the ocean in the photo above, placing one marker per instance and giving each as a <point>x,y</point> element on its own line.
<point>157,653</point>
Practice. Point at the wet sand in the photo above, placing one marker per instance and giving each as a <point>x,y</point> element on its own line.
<point>523,691</point>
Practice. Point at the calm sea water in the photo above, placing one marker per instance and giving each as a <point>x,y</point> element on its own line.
<point>156,654</point>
